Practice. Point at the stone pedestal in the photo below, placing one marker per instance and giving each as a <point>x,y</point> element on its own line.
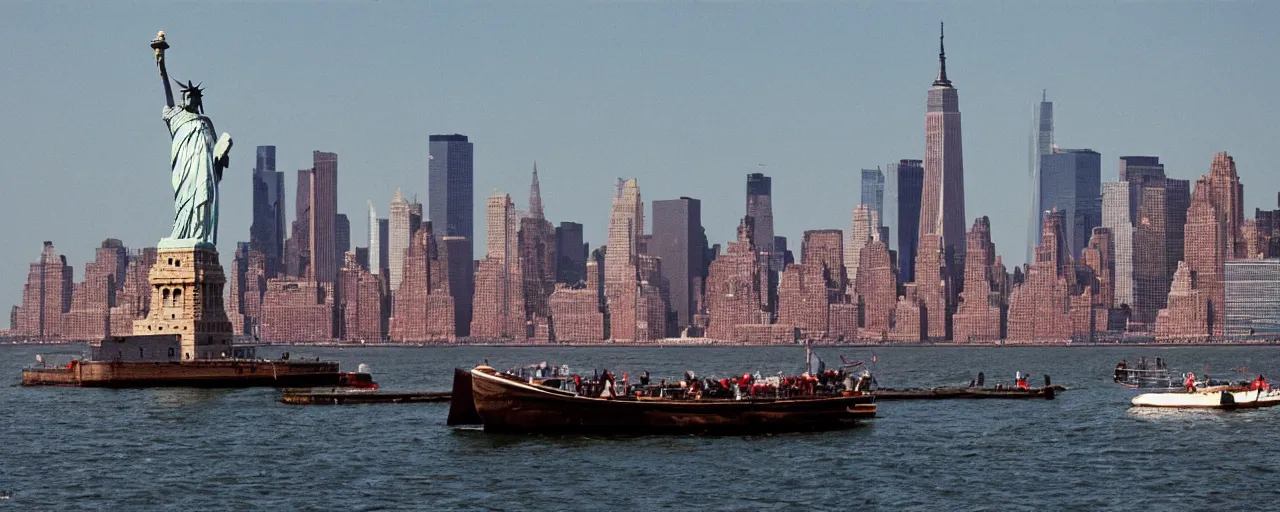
<point>186,299</point>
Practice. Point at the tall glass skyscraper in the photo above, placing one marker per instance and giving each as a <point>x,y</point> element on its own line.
<point>451,178</point>
<point>1042,144</point>
<point>267,232</point>
<point>873,190</point>
<point>1071,181</point>
<point>910,185</point>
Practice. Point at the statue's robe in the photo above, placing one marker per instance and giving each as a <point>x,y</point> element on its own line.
<point>195,179</point>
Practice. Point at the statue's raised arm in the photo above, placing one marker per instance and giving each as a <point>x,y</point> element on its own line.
<point>159,45</point>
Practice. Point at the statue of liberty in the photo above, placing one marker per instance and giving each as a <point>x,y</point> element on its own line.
<point>196,161</point>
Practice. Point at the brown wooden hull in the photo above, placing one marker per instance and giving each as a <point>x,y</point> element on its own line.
<point>504,405</point>
<point>967,393</point>
<point>201,374</point>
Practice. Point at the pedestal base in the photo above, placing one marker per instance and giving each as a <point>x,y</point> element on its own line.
<point>186,299</point>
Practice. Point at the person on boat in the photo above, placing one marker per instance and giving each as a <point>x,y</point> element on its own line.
<point>644,378</point>
<point>1022,381</point>
<point>1260,384</point>
<point>1190,383</point>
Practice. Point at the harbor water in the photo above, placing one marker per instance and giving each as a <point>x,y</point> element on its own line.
<point>194,449</point>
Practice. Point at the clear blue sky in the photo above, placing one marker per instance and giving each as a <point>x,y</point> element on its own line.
<point>687,97</point>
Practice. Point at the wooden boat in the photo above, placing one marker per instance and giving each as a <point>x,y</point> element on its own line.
<point>1047,393</point>
<point>1214,398</point>
<point>342,396</point>
<point>503,403</point>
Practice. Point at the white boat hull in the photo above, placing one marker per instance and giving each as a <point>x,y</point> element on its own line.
<point>1210,399</point>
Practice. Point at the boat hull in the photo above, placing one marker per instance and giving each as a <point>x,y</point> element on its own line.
<point>504,405</point>
<point>1210,400</point>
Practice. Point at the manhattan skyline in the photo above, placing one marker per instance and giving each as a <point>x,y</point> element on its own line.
<point>856,103</point>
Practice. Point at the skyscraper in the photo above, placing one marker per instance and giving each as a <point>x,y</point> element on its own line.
<point>384,247</point>
<point>866,224</point>
<point>873,190</point>
<point>398,233</point>
<point>298,247</point>
<point>1116,200</point>
<point>760,209</point>
<point>571,254</point>
<point>324,213</point>
<point>375,245</point>
<point>621,271</point>
<point>910,179</point>
<point>341,237</point>
<point>1070,181</point>
<point>266,233</point>
<point>677,239</point>
<point>942,211</point>
<point>1042,145</point>
<point>450,181</point>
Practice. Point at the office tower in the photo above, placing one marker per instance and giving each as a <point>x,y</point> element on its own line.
<point>266,233</point>
<point>1158,209</point>
<point>760,210</point>
<point>398,233</point>
<point>341,237</point>
<point>375,241</point>
<point>978,315</point>
<point>1116,197</point>
<point>571,254</point>
<point>423,310</point>
<point>866,224</point>
<point>296,309</point>
<point>677,239</point>
<point>1042,145</point>
<point>873,190</point>
<point>1226,194</point>
<point>46,295</point>
<point>498,303</point>
<point>89,317</point>
<point>455,252</point>
<point>133,301</point>
<point>910,179</point>
<point>324,212</point>
<point>822,251</point>
<point>733,288</point>
<point>1038,307</point>
<point>384,250</point>
<point>450,181</point>
<point>1070,181</point>
<point>537,258</point>
<point>298,246</point>
<point>1252,289</point>
<point>415,217</point>
<point>621,278</point>
<point>360,303</point>
<point>942,211</point>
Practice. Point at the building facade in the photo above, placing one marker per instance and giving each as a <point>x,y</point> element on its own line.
<point>451,180</point>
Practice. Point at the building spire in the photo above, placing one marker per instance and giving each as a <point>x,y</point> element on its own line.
<point>942,81</point>
<point>535,195</point>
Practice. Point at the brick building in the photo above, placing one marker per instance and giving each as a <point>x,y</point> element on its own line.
<point>296,309</point>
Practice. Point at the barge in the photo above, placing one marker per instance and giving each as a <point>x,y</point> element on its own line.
<point>150,361</point>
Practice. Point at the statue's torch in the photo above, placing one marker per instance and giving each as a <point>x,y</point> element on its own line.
<point>159,45</point>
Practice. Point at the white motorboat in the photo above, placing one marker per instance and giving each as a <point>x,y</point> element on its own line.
<point>1219,398</point>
